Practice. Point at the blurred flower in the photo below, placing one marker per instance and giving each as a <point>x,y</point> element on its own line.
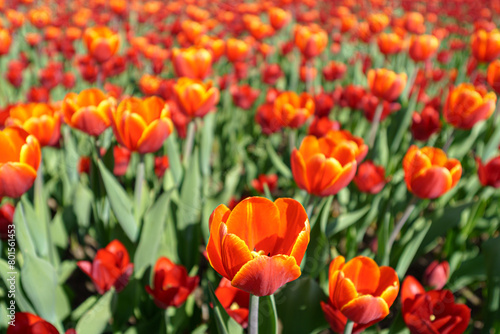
<point>320,126</point>
<point>425,124</point>
<point>370,103</point>
<point>434,311</point>
<point>307,73</point>
<point>5,41</point>
<point>466,105</point>
<point>429,173</point>
<point>278,17</point>
<point>259,245</point>
<point>236,302</point>
<point>195,98</point>
<point>293,110</point>
<point>121,156</point>
<point>311,40</point>
<point>271,73</point>
<point>161,165</point>
<point>21,157</point>
<point>111,267</point>
<point>351,96</point>
<point>334,71</point>
<point>267,119</point>
<point>270,180</point>
<point>386,84</point>
<point>6,217</point>
<point>370,178</point>
<point>323,103</point>
<point>14,73</point>
<point>39,17</point>
<point>244,96</point>
<point>360,291</point>
<point>193,62</point>
<point>377,22</point>
<point>237,49</point>
<point>414,22</point>
<point>28,323</point>
<point>493,75</point>
<point>38,94</point>
<point>101,42</point>
<point>357,144</point>
<point>485,45</point>
<point>88,111</point>
<point>149,84</point>
<point>171,284</point>
<point>436,274</point>
<point>489,173</point>
<point>422,47</point>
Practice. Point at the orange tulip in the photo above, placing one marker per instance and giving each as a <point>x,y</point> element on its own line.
<point>195,98</point>
<point>39,17</point>
<point>414,22</point>
<point>19,161</point>
<point>360,291</point>
<point>101,42</point>
<point>429,173</point>
<point>142,125</point>
<point>493,75</point>
<point>386,84</point>
<point>193,62</point>
<point>38,119</point>
<point>259,245</point>
<point>192,30</point>
<point>389,43</point>
<point>485,45</point>
<point>88,111</point>
<point>378,22</point>
<point>311,40</point>
<point>149,84</point>
<point>422,47</point>
<point>278,17</point>
<point>293,110</point>
<point>357,144</point>
<point>237,49</point>
<point>216,46</point>
<point>466,105</point>
<point>323,167</point>
<point>256,27</point>
<point>15,18</point>
<point>5,41</point>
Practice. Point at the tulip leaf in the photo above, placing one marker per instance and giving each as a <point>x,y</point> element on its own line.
<point>277,161</point>
<point>400,124</point>
<point>83,197</point>
<point>268,317</point>
<point>492,145</point>
<point>465,140</point>
<point>23,235</point>
<point>96,319</point>
<point>120,202</point>
<point>491,248</point>
<point>174,160</point>
<point>225,324</point>
<point>207,138</point>
<point>5,274</point>
<point>406,258</point>
<point>345,220</point>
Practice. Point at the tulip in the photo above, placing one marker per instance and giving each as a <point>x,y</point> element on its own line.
<point>111,267</point>
<point>389,43</point>
<point>334,71</point>
<point>101,42</point>
<point>360,291</point>
<point>386,84</point>
<point>237,50</point>
<point>14,73</point>
<point>6,217</point>
<point>425,124</point>
<point>293,110</point>
<point>5,41</point>
<point>88,111</point>
<point>434,311</point>
<point>351,96</point>
<point>270,180</point>
<point>311,40</point>
<point>259,245</point>
<point>38,94</point>
<point>195,98</point>
<point>489,173</point>
<point>466,105</point>
<point>278,17</point>
<point>429,173</point>
<point>235,301</point>
<point>161,165</point>
<point>244,96</point>
<point>323,103</point>
<point>271,73</point>
<point>422,47</point>
<point>322,166</point>
<point>320,126</point>
<point>142,125</point>
<point>28,323</point>
<point>436,274</point>
<point>485,45</point>
<point>193,62</point>
<point>370,103</point>
<point>266,118</point>
<point>256,27</point>
<point>370,178</point>
<point>378,22</point>
<point>493,75</point>
<point>192,30</point>
<point>38,119</point>
<point>39,17</point>
<point>149,84</point>
<point>19,163</point>
<point>357,144</point>
<point>172,285</point>
<point>414,22</point>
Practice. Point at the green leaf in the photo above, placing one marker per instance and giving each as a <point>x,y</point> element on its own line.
<point>268,315</point>
<point>345,220</point>
<point>83,198</point>
<point>174,160</point>
<point>400,125</point>
<point>491,248</point>
<point>120,202</point>
<point>21,301</point>
<point>95,320</point>
<point>492,145</point>
<point>207,138</point>
<point>23,235</point>
<point>225,324</point>
<point>406,258</point>
<point>277,161</point>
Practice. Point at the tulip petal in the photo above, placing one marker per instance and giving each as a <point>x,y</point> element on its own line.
<point>90,120</point>
<point>432,182</point>
<point>299,170</point>
<point>341,181</point>
<point>235,254</point>
<point>90,97</point>
<point>218,229</point>
<point>344,291</point>
<point>294,225</point>
<point>365,309</point>
<point>388,286</point>
<point>309,147</point>
<point>154,135</point>
<point>410,289</point>
<point>15,179</point>
<point>364,274</point>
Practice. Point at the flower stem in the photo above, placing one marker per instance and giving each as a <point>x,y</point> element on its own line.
<point>253,323</point>
<point>188,146</point>
<point>348,327</point>
<point>375,124</point>
<point>399,225</point>
<point>449,141</point>
<point>139,183</point>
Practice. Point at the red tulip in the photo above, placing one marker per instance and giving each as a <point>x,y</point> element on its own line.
<point>161,165</point>
<point>489,173</point>
<point>323,104</point>
<point>27,323</point>
<point>244,96</point>
<point>320,126</point>
<point>425,124</point>
<point>370,178</point>
<point>436,274</point>
<point>235,301</point>
<point>270,180</point>
<point>271,73</point>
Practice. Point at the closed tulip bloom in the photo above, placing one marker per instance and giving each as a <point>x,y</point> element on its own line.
<point>244,96</point>
<point>357,144</point>
<point>19,161</point>
<point>237,50</point>
<point>142,125</point>
<point>425,124</point>
<point>429,173</point>
<point>195,98</point>
<point>271,73</point>
<point>493,75</point>
<point>436,274</point>
<point>311,40</point>
<point>489,173</point>
<point>422,47</point>
<point>389,43</point>
<point>433,311</point>
<point>360,290</point>
<point>171,284</point>
<point>267,119</point>
<point>466,105</point>
<point>193,62</point>
<point>101,42</point>
<point>28,323</point>
<point>293,110</point>
<point>259,245</point>
<point>485,45</point>
<point>320,126</point>
<point>278,17</point>
<point>386,84</point>
<point>414,22</point>
<point>235,301</point>
<point>334,70</point>
<point>323,167</point>
<point>111,267</point>
<point>370,178</point>
<point>5,41</point>
<point>38,119</point>
<point>378,22</point>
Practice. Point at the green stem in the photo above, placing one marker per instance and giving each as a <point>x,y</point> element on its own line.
<point>449,141</point>
<point>188,146</point>
<point>292,139</point>
<point>167,321</point>
<point>375,124</point>
<point>348,327</point>
<point>399,225</point>
<point>139,183</point>
<point>253,317</point>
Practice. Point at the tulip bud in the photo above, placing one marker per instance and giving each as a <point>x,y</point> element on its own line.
<point>436,274</point>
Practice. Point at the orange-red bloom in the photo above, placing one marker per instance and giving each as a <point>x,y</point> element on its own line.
<point>293,110</point>
<point>28,323</point>
<point>278,17</point>
<point>142,125</point>
<point>311,40</point>
<point>171,284</point>
<point>370,178</point>
<point>466,105</point>
<point>19,161</point>
<point>422,47</point>
<point>378,22</point>
<point>101,42</point>
<point>389,43</point>
<point>237,49</point>
<point>193,62</point>
<point>493,75</point>
<point>386,84</point>
<point>88,111</point>
<point>489,173</point>
<point>357,144</point>
<point>235,301</point>
<point>259,245</point>
<point>429,173</point>
<point>360,291</point>
<point>195,98</point>
<point>5,41</point>
<point>485,45</point>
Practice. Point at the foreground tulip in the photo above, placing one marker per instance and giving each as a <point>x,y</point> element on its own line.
<point>88,111</point>
<point>311,40</point>
<point>19,161</point>
<point>259,245</point>
<point>101,42</point>
<point>28,323</point>
<point>293,110</point>
<point>436,274</point>
<point>142,125</point>
<point>466,105</point>
<point>485,45</point>
<point>323,167</point>
<point>360,291</point>
<point>429,173</point>
<point>111,267</point>
<point>195,98</point>
<point>432,312</point>
<point>425,124</point>
<point>38,119</point>
<point>489,173</point>
<point>193,62</point>
<point>370,178</point>
<point>171,284</point>
<point>386,84</point>
<point>235,301</point>
<point>422,47</point>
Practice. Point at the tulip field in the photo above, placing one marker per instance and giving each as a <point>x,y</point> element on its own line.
<point>270,166</point>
